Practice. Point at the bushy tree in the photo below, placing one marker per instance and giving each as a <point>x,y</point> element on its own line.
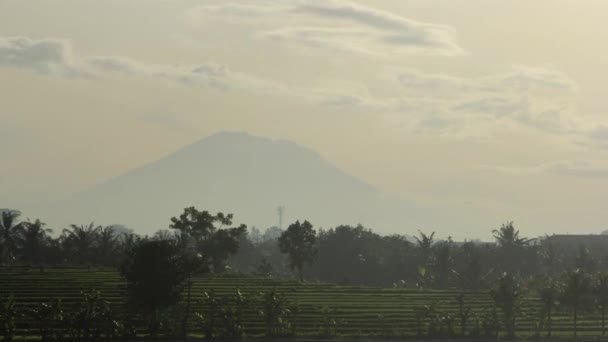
<point>299,243</point>
<point>209,235</point>
<point>155,272</point>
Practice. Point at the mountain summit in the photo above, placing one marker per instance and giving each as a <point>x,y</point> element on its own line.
<point>237,173</point>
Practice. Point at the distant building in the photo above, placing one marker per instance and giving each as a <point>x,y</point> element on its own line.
<point>567,242</point>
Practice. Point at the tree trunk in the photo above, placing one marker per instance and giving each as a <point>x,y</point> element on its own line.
<point>301,274</point>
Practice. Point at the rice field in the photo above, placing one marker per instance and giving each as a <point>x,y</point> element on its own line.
<point>350,310</point>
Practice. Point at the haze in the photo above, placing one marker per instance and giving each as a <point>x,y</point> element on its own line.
<point>479,111</point>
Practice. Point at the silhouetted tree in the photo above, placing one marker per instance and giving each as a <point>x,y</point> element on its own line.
<point>155,272</point>
<point>9,227</point>
<point>510,246</point>
<point>80,240</point>
<point>31,240</point>
<point>425,247</point>
<point>216,242</point>
<point>107,245</point>
<point>299,243</point>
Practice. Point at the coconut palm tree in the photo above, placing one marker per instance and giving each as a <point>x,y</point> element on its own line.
<point>31,239</point>
<point>507,236</point>
<point>9,226</point>
<point>576,293</point>
<point>510,245</point>
<point>425,248</point>
<point>79,240</point>
<point>107,243</point>
<point>600,292</point>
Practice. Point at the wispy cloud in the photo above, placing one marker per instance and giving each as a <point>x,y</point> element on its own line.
<point>345,26</point>
<point>572,168</point>
<point>57,57</point>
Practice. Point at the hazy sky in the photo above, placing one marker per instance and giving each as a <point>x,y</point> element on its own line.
<point>492,110</point>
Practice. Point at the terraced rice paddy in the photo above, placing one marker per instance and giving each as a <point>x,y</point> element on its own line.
<point>359,311</point>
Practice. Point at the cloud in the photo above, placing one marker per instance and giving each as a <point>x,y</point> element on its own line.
<point>342,26</point>
<point>48,56</point>
<point>519,79</point>
<point>430,103</point>
<point>580,169</point>
<point>57,57</point>
<point>385,27</point>
<point>573,168</point>
<point>210,75</point>
<point>536,97</point>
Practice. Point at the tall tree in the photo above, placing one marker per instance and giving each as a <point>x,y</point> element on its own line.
<point>299,243</point>
<point>576,294</point>
<point>210,236</point>
<point>79,241</point>
<point>155,272</point>
<point>507,236</point>
<point>9,226</point>
<point>31,240</point>
<point>425,247</point>
<point>510,246</point>
<point>107,245</point>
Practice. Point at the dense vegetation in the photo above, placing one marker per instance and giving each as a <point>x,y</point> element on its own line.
<point>206,277</point>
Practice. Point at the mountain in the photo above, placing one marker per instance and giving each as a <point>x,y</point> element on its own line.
<point>242,174</point>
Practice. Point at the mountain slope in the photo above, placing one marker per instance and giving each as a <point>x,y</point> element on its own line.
<point>241,174</point>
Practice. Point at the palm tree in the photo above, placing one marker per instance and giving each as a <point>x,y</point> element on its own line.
<point>548,295</point>
<point>510,244</point>
<point>81,239</point>
<point>8,232</point>
<point>507,236</point>
<point>30,240</point>
<point>425,245</point>
<point>576,293</point>
<point>107,242</point>
<point>600,292</point>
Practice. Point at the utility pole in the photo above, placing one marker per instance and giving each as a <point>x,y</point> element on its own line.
<point>280,211</point>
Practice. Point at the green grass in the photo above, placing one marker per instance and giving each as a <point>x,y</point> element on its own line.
<point>367,311</point>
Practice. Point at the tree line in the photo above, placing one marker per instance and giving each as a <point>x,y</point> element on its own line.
<point>348,255</point>
<point>158,269</point>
